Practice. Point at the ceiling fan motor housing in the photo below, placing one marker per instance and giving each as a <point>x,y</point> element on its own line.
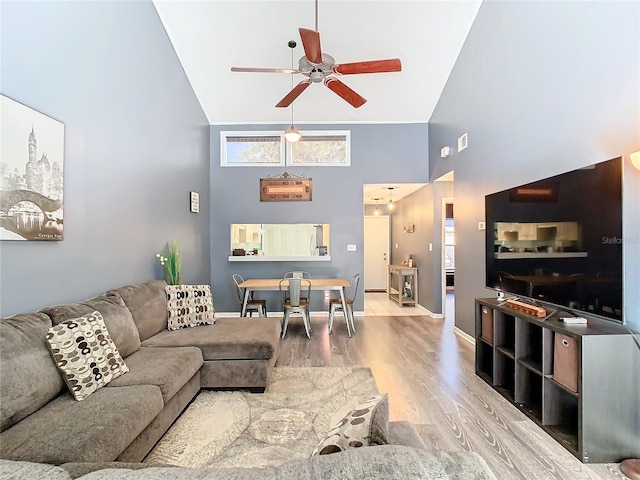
<point>317,72</point>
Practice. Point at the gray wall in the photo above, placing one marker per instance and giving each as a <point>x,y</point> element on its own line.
<point>136,143</point>
<point>379,154</point>
<point>541,88</point>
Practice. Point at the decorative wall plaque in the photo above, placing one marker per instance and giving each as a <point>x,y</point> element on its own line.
<point>285,188</point>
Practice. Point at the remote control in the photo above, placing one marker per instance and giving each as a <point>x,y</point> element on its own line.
<point>574,320</point>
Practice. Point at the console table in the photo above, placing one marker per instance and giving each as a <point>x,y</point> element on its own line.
<point>578,382</point>
<point>403,285</point>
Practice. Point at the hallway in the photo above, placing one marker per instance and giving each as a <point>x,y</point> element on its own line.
<point>379,304</point>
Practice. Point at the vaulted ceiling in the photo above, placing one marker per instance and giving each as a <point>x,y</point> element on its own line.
<point>211,36</point>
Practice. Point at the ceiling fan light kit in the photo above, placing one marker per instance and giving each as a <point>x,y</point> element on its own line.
<point>292,135</point>
<point>320,67</point>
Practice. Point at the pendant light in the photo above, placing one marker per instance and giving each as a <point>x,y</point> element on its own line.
<point>292,135</point>
<point>376,212</point>
<point>390,199</point>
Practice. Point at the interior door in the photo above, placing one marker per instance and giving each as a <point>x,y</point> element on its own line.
<point>376,252</point>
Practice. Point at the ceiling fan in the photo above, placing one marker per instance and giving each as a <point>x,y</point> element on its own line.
<point>321,67</point>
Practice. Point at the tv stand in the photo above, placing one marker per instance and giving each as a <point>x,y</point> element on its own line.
<point>580,383</point>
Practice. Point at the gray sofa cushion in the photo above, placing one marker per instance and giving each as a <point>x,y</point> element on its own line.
<point>97,429</point>
<point>78,469</point>
<point>29,377</point>
<point>10,470</point>
<point>404,433</point>
<point>116,315</point>
<point>148,305</point>
<point>237,338</point>
<point>168,368</point>
<point>371,463</point>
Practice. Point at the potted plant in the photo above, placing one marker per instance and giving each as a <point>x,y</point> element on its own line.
<point>171,263</point>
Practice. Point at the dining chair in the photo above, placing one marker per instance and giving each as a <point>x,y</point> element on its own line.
<point>294,302</point>
<point>253,305</point>
<point>299,274</point>
<point>335,305</point>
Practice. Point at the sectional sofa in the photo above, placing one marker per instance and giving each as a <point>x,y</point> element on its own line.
<point>40,421</point>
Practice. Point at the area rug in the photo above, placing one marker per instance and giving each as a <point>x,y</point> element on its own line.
<point>242,429</point>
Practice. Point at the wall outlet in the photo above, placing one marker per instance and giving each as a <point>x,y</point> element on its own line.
<point>463,142</point>
<point>482,226</point>
<point>351,248</point>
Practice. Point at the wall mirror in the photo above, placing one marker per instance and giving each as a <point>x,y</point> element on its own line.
<point>280,239</point>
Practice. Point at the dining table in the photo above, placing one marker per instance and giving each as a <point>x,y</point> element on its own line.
<point>338,284</point>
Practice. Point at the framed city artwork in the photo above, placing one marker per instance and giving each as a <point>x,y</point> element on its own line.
<point>31,174</point>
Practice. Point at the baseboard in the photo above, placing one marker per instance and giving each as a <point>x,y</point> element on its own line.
<point>429,312</point>
<point>464,335</point>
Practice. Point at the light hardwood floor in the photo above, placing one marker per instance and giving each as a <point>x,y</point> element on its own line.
<point>429,374</point>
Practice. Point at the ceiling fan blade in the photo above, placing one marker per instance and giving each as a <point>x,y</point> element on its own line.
<point>311,43</point>
<point>373,66</point>
<point>345,92</point>
<point>264,70</point>
<point>293,94</point>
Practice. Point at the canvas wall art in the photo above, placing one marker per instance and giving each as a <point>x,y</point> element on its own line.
<point>31,174</point>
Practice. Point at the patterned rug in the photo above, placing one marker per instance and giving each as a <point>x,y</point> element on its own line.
<point>230,429</point>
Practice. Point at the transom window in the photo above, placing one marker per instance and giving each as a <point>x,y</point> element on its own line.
<point>251,149</point>
<point>315,148</point>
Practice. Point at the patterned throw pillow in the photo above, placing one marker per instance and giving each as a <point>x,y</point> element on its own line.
<point>85,354</point>
<point>367,424</point>
<point>189,306</point>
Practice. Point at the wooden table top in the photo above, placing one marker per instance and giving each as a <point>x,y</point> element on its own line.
<point>273,283</point>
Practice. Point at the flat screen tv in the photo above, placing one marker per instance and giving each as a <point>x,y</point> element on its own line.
<point>558,241</point>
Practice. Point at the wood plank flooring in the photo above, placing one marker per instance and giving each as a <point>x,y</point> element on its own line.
<point>429,374</point>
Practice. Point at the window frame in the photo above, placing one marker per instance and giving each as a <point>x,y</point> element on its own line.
<point>286,148</point>
<point>226,134</point>
<point>321,133</point>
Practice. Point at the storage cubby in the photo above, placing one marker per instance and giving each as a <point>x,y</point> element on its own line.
<point>560,415</point>
<point>484,361</point>
<point>504,333</point>
<point>529,392</point>
<point>575,381</point>
<point>530,350</point>
<point>504,375</point>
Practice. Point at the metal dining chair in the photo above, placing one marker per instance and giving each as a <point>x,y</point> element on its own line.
<point>294,302</point>
<point>299,274</point>
<point>253,305</point>
<point>335,305</point>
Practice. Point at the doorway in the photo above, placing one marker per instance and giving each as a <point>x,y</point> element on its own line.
<point>448,258</point>
<point>376,252</point>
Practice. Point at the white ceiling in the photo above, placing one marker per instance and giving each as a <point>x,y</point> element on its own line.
<point>211,36</point>
<point>381,191</point>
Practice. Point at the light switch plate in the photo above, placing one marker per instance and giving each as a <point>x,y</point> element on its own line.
<point>351,248</point>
